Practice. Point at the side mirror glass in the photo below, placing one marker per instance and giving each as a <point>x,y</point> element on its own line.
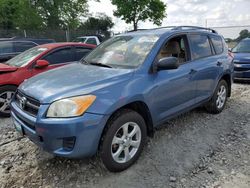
<point>41,64</point>
<point>167,63</point>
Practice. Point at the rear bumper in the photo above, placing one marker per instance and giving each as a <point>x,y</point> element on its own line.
<point>69,137</point>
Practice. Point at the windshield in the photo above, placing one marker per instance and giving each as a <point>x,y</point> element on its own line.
<point>123,51</point>
<point>24,58</point>
<point>242,47</point>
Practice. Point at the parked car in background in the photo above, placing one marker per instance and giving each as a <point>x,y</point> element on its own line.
<point>122,90</point>
<point>96,39</point>
<point>9,48</point>
<point>242,60</point>
<point>34,61</point>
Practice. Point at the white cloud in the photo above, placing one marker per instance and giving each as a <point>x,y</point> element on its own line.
<point>189,12</point>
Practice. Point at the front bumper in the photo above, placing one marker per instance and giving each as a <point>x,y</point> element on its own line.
<point>69,137</point>
<point>242,71</point>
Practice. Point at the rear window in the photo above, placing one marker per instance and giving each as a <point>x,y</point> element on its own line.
<point>6,47</point>
<point>200,46</point>
<point>217,43</point>
<point>23,46</point>
<point>91,41</point>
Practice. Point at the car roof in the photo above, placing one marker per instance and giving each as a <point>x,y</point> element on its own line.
<point>171,30</point>
<point>63,44</point>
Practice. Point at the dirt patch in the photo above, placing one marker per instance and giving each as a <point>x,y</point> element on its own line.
<point>193,150</point>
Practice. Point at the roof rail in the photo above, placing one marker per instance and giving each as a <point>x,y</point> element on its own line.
<point>178,28</point>
<point>193,28</point>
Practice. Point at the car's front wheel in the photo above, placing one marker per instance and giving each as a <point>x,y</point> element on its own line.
<point>219,98</point>
<point>123,140</point>
<point>6,94</point>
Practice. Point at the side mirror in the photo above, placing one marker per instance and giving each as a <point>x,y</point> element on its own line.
<point>41,64</point>
<point>167,63</point>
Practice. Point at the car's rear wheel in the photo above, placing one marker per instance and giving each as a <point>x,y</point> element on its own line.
<point>123,140</point>
<point>219,99</point>
<point>6,94</point>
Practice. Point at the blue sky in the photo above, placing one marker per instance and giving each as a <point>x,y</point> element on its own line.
<point>190,12</point>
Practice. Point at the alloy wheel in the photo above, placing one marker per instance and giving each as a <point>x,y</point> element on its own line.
<point>5,99</point>
<point>221,97</point>
<point>126,142</point>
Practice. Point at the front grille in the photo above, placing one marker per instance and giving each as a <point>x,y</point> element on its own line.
<point>241,69</point>
<point>27,104</point>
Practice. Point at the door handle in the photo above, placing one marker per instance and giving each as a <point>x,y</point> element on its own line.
<point>192,71</point>
<point>219,63</point>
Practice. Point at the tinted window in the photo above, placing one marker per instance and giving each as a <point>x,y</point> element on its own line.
<point>6,47</point>
<point>23,46</point>
<point>81,52</point>
<point>217,43</point>
<point>60,56</point>
<point>200,46</point>
<point>91,41</point>
<point>242,47</point>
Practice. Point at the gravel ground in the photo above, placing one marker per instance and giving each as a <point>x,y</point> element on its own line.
<point>193,150</point>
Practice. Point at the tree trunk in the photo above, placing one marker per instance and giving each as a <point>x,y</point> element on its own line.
<point>135,25</point>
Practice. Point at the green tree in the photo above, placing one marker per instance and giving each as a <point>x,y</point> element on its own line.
<point>100,24</point>
<point>62,13</point>
<point>133,11</point>
<point>28,17</point>
<point>243,34</point>
<point>8,13</point>
<point>19,14</point>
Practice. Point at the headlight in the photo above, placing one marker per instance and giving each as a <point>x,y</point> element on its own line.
<point>70,107</point>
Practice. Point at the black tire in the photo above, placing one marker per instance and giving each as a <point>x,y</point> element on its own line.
<point>4,89</point>
<point>114,125</point>
<point>212,106</point>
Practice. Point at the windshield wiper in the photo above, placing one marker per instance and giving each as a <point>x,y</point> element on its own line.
<point>100,64</point>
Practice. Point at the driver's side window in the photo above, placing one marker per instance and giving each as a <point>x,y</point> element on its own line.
<point>175,47</point>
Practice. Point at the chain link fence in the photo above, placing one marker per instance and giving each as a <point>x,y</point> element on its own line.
<point>56,34</point>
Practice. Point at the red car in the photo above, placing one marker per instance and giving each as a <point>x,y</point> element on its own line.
<point>34,61</point>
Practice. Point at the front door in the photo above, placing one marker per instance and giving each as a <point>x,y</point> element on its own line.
<point>174,90</point>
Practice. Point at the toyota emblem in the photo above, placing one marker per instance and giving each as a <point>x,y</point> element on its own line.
<point>23,102</point>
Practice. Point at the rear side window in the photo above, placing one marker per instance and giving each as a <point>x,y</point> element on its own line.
<point>81,52</point>
<point>60,56</point>
<point>200,46</point>
<point>6,47</point>
<point>217,43</point>
<point>91,41</point>
<point>23,46</point>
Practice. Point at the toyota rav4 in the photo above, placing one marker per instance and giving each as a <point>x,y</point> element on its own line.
<point>115,97</point>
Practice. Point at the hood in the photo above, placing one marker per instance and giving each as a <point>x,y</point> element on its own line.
<point>72,80</point>
<point>7,68</point>
<point>242,58</point>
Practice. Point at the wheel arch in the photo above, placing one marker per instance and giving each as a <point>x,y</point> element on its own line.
<point>227,78</point>
<point>139,107</point>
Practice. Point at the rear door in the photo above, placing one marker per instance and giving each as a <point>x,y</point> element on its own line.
<point>208,64</point>
<point>57,58</point>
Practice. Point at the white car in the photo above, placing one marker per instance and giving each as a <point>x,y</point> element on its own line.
<point>89,40</point>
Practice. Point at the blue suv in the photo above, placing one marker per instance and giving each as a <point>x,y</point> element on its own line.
<point>115,97</point>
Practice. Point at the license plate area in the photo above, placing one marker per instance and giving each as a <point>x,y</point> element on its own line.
<point>18,126</point>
